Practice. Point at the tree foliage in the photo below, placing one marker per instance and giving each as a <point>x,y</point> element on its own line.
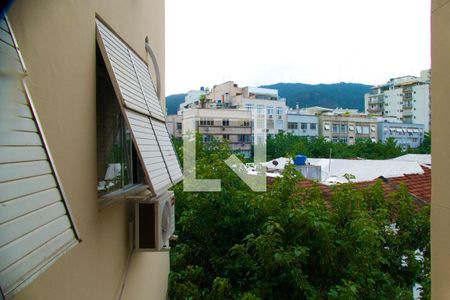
<point>286,144</point>
<point>291,243</point>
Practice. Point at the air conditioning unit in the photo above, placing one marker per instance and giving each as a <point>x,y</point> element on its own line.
<point>223,128</point>
<point>270,116</point>
<point>279,117</point>
<point>154,222</point>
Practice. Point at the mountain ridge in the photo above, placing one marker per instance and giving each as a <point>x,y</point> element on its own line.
<point>342,94</point>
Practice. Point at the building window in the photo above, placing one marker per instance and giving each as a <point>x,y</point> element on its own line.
<point>226,137</point>
<point>365,130</point>
<point>244,138</point>
<point>343,128</point>
<point>259,108</point>
<point>246,123</point>
<point>335,128</point>
<point>292,125</point>
<point>279,110</point>
<point>179,125</point>
<point>358,129</point>
<point>304,126</point>
<point>117,165</point>
<point>225,122</point>
<point>270,110</point>
<point>248,106</point>
<point>270,124</point>
<point>280,124</point>
<point>206,122</point>
<point>313,126</point>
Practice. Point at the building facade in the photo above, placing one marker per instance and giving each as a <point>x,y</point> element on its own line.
<point>175,125</point>
<point>305,125</point>
<point>227,125</point>
<point>347,128</point>
<point>67,79</point>
<point>405,135</point>
<point>407,98</point>
<point>264,101</point>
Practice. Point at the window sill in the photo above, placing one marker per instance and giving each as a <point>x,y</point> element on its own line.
<point>121,195</point>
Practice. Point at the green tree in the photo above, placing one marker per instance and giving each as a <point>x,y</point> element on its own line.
<point>291,243</point>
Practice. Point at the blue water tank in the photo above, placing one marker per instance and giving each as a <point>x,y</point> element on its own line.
<point>300,160</point>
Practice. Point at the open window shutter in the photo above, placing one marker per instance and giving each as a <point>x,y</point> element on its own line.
<point>35,223</point>
<point>141,108</point>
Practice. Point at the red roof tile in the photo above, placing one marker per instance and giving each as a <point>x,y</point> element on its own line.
<point>418,185</point>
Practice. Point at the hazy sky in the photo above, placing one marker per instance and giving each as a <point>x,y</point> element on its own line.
<point>255,42</point>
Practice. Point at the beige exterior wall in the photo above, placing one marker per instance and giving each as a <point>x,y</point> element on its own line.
<point>216,129</point>
<point>349,135</point>
<point>440,204</point>
<point>57,39</point>
<point>221,89</point>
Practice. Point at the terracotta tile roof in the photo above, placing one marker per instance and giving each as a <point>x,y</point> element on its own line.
<point>418,185</point>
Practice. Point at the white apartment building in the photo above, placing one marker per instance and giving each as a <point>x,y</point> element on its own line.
<point>192,98</point>
<point>406,98</point>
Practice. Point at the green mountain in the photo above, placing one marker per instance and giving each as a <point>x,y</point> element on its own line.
<point>345,95</point>
<point>173,103</point>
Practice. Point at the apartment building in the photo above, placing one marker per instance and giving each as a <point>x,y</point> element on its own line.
<point>407,98</point>
<point>405,135</point>
<point>85,157</point>
<point>229,125</point>
<point>264,101</point>
<point>174,125</point>
<point>192,98</point>
<point>301,124</point>
<point>346,128</point>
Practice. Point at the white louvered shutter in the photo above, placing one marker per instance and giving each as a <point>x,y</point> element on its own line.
<point>142,109</point>
<point>35,223</point>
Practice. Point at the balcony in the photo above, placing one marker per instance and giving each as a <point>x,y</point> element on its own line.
<point>374,109</point>
<point>407,105</point>
<point>376,100</point>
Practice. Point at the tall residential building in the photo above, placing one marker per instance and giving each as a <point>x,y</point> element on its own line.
<point>86,159</point>
<point>407,98</point>
<point>230,125</point>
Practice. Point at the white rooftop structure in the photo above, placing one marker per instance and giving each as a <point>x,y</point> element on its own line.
<point>333,170</point>
<point>424,159</point>
<point>262,91</point>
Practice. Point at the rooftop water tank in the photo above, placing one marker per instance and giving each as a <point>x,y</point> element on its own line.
<point>300,160</point>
